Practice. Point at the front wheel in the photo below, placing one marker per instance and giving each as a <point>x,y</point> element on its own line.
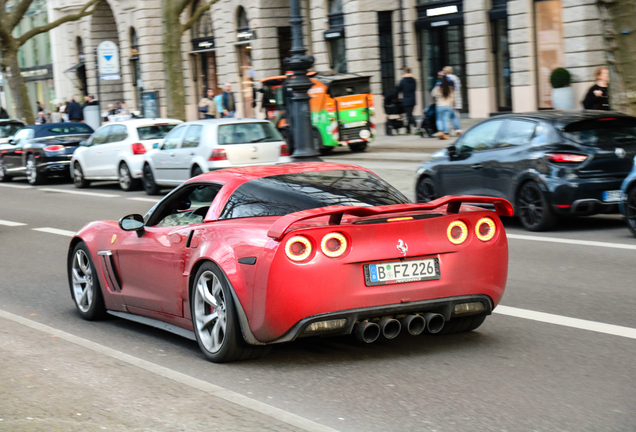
<point>534,209</point>
<point>630,210</point>
<point>359,147</point>
<point>126,180</point>
<point>79,180</point>
<point>215,320</point>
<point>33,175</point>
<point>82,277</point>
<point>426,190</point>
<point>149,181</point>
<point>3,172</point>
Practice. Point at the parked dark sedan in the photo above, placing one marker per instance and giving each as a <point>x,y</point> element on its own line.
<point>548,164</point>
<point>41,151</point>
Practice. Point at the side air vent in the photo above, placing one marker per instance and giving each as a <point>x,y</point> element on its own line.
<point>110,272</point>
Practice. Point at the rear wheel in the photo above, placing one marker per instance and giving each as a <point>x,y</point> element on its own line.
<point>196,171</point>
<point>150,186</point>
<point>462,325</point>
<point>3,172</point>
<point>426,190</point>
<point>359,147</point>
<point>126,180</point>
<point>630,210</point>
<point>79,180</point>
<point>33,175</point>
<point>82,277</point>
<point>533,208</point>
<point>215,321</point>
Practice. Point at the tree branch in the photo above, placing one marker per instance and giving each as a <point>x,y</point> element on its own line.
<point>18,13</point>
<point>197,14</point>
<point>181,5</point>
<point>66,18</point>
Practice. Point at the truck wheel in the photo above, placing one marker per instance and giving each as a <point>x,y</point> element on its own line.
<point>358,147</point>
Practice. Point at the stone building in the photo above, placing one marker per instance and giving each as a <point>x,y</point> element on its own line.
<point>503,51</point>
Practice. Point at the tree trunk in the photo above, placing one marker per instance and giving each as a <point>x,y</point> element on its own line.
<point>173,61</point>
<point>17,85</point>
<point>619,29</point>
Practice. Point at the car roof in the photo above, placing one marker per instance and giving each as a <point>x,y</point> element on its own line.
<point>561,118</point>
<point>145,122</point>
<point>11,121</point>
<point>43,129</point>
<point>244,174</point>
<point>227,120</point>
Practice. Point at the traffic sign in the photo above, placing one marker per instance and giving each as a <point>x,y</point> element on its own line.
<point>108,59</point>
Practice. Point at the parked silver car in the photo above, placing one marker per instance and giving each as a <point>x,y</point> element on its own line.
<point>200,146</point>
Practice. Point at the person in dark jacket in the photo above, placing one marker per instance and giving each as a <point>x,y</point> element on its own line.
<point>74,111</point>
<point>407,87</point>
<point>229,106</point>
<point>3,113</point>
<point>597,97</point>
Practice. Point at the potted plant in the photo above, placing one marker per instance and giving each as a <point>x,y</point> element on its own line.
<point>562,94</point>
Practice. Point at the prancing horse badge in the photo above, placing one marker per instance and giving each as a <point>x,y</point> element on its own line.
<point>113,238</point>
<point>402,247</point>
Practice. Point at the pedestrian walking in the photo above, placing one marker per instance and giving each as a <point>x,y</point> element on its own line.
<point>74,111</point>
<point>56,116</point>
<point>597,97</point>
<point>444,96</point>
<point>3,113</point>
<point>407,88</point>
<point>40,119</point>
<point>457,89</point>
<point>207,105</point>
<point>90,100</point>
<point>229,105</point>
<point>38,106</point>
<point>218,99</point>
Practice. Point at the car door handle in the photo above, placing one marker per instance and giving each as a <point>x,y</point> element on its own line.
<point>477,166</point>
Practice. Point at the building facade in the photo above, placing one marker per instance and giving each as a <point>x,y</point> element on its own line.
<point>502,50</point>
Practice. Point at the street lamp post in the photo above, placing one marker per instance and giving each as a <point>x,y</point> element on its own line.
<point>298,63</point>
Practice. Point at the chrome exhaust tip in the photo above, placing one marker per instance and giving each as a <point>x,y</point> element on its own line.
<point>366,332</point>
<point>414,324</point>
<point>390,327</point>
<point>434,322</point>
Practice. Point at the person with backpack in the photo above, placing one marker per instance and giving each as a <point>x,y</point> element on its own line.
<point>207,105</point>
<point>444,96</point>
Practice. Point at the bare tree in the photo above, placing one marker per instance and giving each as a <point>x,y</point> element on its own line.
<point>173,29</point>
<point>11,13</point>
<point>618,18</point>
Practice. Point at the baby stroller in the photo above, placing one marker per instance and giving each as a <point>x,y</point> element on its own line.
<point>429,119</point>
<point>394,112</point>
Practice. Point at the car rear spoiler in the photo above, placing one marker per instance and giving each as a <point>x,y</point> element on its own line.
<point>335,213</point>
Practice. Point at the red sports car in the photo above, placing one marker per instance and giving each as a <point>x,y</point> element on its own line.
<point>243,258</point>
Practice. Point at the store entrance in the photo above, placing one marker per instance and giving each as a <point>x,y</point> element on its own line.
<point>444,46</point>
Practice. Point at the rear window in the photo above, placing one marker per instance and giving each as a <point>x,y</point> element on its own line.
<point>64,130</point>
<point>283,194</point>
<point>247,133</point>
<point>9,130</point>
<point>154,131</point>
<point>601,133</point>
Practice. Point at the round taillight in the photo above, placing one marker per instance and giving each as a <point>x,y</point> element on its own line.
<point>334,245</point>
<point>485,229</point>
<point>457,232</point>
<point>298,248</point>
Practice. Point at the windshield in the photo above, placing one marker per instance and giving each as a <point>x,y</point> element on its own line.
<point>9,130</point>
<point>283,194</point>
<point>601,133</point>
<point>154,131</point>
<point>247,133</point>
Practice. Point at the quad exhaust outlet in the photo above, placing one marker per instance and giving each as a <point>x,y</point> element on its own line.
<point>414,324</point>
<point>367,332</point>
<point>390,328</point>
<point>434,322</point>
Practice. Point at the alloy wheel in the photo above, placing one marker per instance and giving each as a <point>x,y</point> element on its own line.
<point>31,172</point>
<point>426,190</point>
<point>531,208</point>
<point>125,179</point>
<point>3,173</point>
<point>630,210</point>
<point>210,312</point>
<point>82,279</point>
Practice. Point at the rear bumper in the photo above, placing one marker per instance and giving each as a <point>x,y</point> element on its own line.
<point>443,306</point>
<point>55,165</point>
<point>583,196</point>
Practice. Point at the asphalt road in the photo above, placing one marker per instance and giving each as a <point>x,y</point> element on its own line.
<point>512,374</point>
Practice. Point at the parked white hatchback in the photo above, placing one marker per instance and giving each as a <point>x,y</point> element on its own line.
<point>115,151</point>
<point>200,146</point>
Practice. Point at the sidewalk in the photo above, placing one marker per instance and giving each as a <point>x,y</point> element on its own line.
<point>48,383</point>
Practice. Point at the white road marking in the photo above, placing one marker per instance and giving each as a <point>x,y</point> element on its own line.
<point>572,241</point>
<point>55,231</point>
<point>74,192</point>
<point>15,186</point>
<point>152,200</point>
<point>228,395</point>
<point>594,326</point>
<point>11,224</point>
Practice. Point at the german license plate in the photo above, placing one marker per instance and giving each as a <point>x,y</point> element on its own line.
<point>401,271</point>
<point>354,124</point>
<point>612,196</point>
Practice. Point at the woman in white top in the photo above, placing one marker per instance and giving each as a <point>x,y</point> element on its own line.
<point>444,96</point>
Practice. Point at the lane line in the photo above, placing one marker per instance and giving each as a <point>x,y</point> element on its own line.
<point>152,200</point>
<point>15,186</point>
<point>581,324</point>
<point>74,192</point>
<point>55,231</point>
<point>571,241</point>
<point>251,404</point>
<point>11,224</point>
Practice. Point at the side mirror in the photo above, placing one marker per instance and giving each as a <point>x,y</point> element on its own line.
<point>11,141</point>
<point>452,151</point>
<point>132,222</point>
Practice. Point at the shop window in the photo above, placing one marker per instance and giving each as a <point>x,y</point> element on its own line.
<point>387,59</point>
<point>135,66</point>
<point>501,54</point>
<point>335,37</point>
<point>244,53</point>
<point>204,66</point>
<point>550,49</point>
